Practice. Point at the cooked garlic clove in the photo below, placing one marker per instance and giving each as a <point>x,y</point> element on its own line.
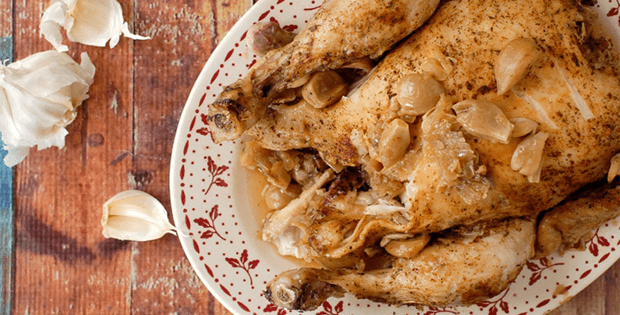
<point>522,126</point>
<point>265,36</point>
<point>527,157</point>
<point>135,215</point>
<point>278,175</point>
<point>403,246</point>
<point>614,168</point>
<point>438,64</point>
<point>90,22</point>
<point>417,94</point>
<point>39,96</point>
<point>394,142</point>
<point>275,198</point>
<point>484,120</point>
<point>514,61</point>
<point>324,89</point>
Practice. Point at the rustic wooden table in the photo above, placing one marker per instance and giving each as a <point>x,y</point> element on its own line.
<point>54,258</point>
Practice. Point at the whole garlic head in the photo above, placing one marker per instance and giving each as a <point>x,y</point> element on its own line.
<point>38,99</point>
<point>90,22</point>
<point>135,215</point>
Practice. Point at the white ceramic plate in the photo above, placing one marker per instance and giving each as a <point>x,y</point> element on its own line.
<point>211,205</point>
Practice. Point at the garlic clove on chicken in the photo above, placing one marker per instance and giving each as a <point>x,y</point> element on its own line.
<point>438,64</point>
<point>394,142</point>
<point>90,22</point>
<point>136,216</point>
<point>484,120</point>
<point>324,88</point>
<point>514,61</point>
<point>403,245</point>
<point>527,157</point>
<point>522,126</point>
<point>263,37</point>
<point>417,94</point>
<point>39,96</point>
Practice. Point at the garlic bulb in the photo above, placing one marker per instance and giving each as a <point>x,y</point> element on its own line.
<point>90,22</point>
<point>38,98</point>
<point>135,215</point>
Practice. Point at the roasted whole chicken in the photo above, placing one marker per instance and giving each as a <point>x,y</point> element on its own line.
<point>423,154</point>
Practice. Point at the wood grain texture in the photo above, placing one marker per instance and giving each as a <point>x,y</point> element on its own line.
<point>63,263</point>
<point>122,139</point>
<point>183,36</point>
<point>7,240</point>
<point>600,297</point>
<point>6,18</point>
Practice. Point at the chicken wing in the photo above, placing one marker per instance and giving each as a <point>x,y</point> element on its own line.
<point>340,32</point>
<point>464,267</point>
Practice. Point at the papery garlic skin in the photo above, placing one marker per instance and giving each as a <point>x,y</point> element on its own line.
<point>90,22</point>
<point>38,99</point>
<point>136,216</point>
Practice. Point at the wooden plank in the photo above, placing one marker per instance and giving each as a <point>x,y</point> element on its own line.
<point>63,263</point>
<point>6,18</point>
<point>183,36</point>
<point>611,278</point>
<point>7,240</point>
<point>6,205</point>
<point>600,297</point>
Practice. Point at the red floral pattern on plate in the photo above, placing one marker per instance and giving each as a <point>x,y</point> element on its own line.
<point>614,11</point>
<point>209,199</point>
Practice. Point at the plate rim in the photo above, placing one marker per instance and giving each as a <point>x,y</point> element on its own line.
<point>194,95</point>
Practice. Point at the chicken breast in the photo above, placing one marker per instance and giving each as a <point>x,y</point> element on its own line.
<point>340,32</point>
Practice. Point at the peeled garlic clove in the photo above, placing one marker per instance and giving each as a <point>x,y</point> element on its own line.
<point>265,36</point>
<point>522,126</point>
<point>527,157</point>
<point>394,141</point>
<point>417,94</point>
<point>514,61</point>
<point>484,120</point>
<point>90,22</point>
<point>614,168</point>
<point>135,215</point>
<point>324,89</point>
<point>39,96</point>
<point>405,248</point>
<point>438,64</point>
